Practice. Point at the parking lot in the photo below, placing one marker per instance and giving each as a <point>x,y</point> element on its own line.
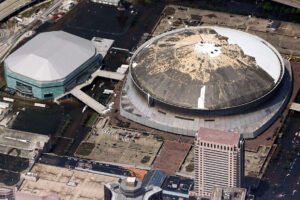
<point>171,156</point>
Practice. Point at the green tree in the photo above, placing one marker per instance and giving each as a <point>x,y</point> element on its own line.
<point>267,6</point>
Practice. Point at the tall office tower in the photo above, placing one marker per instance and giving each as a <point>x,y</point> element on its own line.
<point>219,160</point>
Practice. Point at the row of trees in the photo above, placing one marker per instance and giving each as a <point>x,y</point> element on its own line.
<point>276,8</point>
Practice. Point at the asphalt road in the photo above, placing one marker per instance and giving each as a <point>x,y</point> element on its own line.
<point>71,162</point>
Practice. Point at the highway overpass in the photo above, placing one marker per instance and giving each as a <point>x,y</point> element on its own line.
<point>8,7</point>
<point>293,3</point>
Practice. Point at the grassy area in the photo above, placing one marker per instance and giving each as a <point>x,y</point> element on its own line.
<point>190,167</point>
<point>34,9</point>
<point>91,121</point>
<point>145,159</point>
<point>85,149</point>
<point>62,129</point>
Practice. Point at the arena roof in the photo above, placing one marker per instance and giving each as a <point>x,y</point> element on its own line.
<point>207,68</point>
<point>50,56</point>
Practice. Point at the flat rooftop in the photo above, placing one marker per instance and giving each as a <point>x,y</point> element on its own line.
<point>25,142</point>
<point>65,183</point>
<point>216,136</point>
<point>229,193</point>
<point>102,45</point>
<point>11,168</point>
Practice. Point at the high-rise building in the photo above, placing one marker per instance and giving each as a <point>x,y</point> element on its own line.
<point>219,160</point>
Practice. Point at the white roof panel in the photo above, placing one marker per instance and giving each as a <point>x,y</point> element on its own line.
<point>266,56</point>
<point>50,56</point>
<point>235,68</point>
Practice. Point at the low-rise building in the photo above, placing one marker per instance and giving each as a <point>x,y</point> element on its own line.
<point>107,2</point>
<point>23,144</point>
<point>229,193</point>
<point>51,64</point>
<point>131,189</point>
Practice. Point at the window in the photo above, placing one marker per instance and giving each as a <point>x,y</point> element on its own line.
<point>25,89</point>
<point>209,120</point>
<point>48,96</point>
<point>184,118</point>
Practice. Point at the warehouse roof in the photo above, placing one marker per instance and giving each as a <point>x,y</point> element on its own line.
<point>50,56</point>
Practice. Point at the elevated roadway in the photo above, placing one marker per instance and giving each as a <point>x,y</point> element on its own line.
<point>108,74</point>
<point>11,42</point>
<point>295,106</point>
<point>8,7</point>
<point>104,74</point>
<point>89,101</point>
<point>92,103</point>
<point>293,3</point>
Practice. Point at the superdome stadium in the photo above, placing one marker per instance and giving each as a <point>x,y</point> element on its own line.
<point>209,77</point>
<point>50,64</point>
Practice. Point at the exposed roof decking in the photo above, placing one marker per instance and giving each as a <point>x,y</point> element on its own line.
<point>207,68</point>
<point>250,124</point>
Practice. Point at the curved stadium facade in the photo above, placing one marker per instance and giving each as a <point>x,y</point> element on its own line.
<point>209,77</point>
<point>50,64</point>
